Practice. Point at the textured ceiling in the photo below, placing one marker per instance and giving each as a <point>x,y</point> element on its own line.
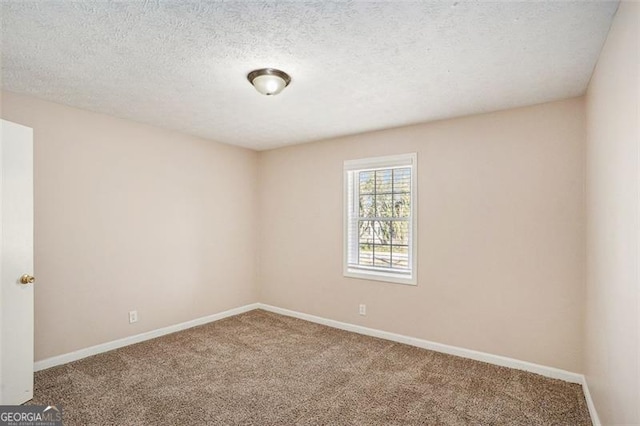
<point>356,66</point>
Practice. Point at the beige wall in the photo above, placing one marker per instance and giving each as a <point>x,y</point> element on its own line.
<point>128,216</point>
<point>501,233</point>
<point>613,295</point>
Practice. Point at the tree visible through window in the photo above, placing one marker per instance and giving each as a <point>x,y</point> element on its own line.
<point>379,218</point>
<point>384,211</point>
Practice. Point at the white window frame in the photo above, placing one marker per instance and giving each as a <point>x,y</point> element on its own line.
<point>351,207</point>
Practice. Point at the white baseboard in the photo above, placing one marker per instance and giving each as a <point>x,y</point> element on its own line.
<point>115,344</point>
<point>592,407</point>
<point>554,373</point>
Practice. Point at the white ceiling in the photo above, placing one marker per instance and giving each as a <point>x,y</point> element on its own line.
<point>355,66</point>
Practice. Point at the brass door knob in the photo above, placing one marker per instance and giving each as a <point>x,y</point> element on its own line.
<point>27,279</point>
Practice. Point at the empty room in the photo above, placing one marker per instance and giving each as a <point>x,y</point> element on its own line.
<point>319,213</point>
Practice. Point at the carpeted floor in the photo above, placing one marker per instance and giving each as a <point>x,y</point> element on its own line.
<point>265,369</point>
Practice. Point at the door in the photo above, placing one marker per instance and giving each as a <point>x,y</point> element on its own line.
<point>16,264</point>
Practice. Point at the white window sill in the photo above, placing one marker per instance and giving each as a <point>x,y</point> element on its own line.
<point>364,274</point>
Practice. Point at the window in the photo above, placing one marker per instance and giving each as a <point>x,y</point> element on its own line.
<point>380,218</point>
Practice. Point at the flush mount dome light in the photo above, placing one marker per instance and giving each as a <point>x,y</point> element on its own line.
<point>269,81</point>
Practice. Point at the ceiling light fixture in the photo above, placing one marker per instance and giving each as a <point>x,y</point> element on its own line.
<point>269,81</point>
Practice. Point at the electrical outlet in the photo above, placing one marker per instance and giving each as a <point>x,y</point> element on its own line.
<point>363,310</point>
<point>133,317</point>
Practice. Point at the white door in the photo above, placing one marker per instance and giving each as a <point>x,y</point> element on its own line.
<point>16,264</point>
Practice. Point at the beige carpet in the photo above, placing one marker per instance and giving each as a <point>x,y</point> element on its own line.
<point>265,369</point>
